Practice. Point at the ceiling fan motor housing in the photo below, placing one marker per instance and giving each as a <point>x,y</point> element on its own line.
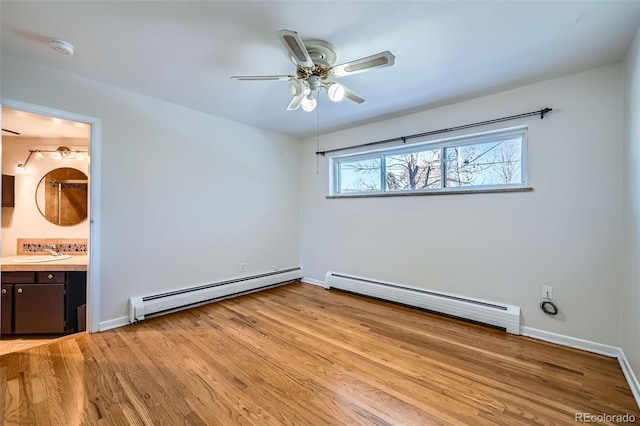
<point>320,49</point>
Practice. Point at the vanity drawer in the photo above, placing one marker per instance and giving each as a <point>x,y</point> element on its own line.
<point>51,277</point>
<point>22,277</point>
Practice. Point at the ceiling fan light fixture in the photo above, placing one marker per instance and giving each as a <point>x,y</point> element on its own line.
<point>314,60</point>
<point>296,87</point>
<point>335,92</point>
<point>309,103</point>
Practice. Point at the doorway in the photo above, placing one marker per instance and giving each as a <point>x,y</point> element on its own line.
<point>39,141</point>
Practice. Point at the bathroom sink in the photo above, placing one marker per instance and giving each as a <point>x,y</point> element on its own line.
<point>39,259</point>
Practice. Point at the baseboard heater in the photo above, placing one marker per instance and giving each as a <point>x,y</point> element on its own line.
<point>164,303</point>
<point>482,311</point>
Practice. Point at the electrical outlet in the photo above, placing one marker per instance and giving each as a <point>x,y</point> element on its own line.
<point>242,267</point>
<point>547,291</point>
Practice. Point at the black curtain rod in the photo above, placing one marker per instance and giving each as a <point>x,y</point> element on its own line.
<point>542,112</point>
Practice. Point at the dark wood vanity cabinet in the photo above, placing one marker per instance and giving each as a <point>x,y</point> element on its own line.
<point>38,308</point>
<point>6,309</point>
<point>42,302</point>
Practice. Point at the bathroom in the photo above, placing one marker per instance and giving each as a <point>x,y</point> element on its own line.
<point>45,228</point>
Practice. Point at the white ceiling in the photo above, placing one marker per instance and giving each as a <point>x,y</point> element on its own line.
<point>31,125</point>
<point>185,51</point>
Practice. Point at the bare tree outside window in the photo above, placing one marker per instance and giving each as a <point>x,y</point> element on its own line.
<point>491,163</point>
<point>508,168</point>
<point>360,175</point>
<point>415,170</point>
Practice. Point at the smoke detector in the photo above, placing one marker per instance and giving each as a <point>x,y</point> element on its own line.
<point>61,46</point>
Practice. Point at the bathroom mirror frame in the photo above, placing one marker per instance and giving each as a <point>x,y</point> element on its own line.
<point>62,196</point>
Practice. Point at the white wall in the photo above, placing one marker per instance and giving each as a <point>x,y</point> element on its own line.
<point>503,247</point>
<point>186,196</point>
<point>630,313</point>
<point>24,220</point>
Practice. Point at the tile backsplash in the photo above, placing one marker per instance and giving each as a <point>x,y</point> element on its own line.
<point>72,246</point>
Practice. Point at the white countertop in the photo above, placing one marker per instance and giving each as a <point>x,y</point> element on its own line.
<point>74,263</point>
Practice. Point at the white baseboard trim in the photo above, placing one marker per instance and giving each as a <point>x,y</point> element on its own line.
<point>632,379</point>
<point>114,323</point>
<point>572,342</point>
<point>590,346</point>
<point>313,281</point>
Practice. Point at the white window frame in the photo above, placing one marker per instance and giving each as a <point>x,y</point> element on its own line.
<point>440,144</point>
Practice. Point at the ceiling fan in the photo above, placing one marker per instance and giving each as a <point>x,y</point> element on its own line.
<point>315,61</point>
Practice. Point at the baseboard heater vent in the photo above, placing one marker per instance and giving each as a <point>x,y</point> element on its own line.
<point>163,303</point>
<point>483,311</point>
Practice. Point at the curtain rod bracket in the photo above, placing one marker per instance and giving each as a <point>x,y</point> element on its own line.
<point>404,139</point>
<point>544,111</point>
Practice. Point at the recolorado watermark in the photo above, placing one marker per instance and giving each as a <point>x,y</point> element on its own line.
<point>604,418</point>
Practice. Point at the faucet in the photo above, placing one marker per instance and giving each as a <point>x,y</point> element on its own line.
<point>53,250</point>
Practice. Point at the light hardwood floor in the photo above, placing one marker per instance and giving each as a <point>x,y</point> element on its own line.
<point>19,343</point>
<point>302,355</point>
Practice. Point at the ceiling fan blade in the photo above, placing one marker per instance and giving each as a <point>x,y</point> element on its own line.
<point>297,51</point>
<point>263,77</point>
<point>352,96</point>
<point>295,102</point>
<point>380,60</point>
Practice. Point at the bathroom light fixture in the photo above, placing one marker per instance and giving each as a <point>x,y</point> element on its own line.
<point>62,152</point>
<point>21,168</point>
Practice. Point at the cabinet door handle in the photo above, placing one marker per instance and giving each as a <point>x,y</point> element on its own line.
<point>4,291</point>
<point>50,276</point>
<point>19,290</point>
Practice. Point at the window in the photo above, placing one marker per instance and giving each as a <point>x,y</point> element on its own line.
<point>491,161</point>
<point>360,175</point>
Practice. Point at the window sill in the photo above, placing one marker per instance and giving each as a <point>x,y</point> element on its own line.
<point>433,192</point>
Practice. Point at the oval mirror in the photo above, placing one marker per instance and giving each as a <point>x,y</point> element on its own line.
<point>61,196</point>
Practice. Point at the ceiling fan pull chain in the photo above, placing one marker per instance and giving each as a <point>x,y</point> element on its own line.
<point>318,137</point>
